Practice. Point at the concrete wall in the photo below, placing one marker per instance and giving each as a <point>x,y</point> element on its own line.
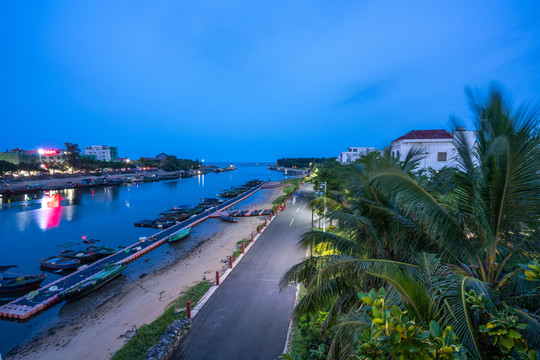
<point>169,341</point>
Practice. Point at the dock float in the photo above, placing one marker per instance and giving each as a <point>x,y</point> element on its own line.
<point>47,296</point>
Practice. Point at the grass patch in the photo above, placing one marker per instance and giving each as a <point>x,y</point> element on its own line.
<point>237,252</point>
<point>288,190</point>
<point>149,334</point>
<point>306,343</point>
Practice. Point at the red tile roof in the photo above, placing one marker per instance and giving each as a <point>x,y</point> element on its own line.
<point>425,134</point>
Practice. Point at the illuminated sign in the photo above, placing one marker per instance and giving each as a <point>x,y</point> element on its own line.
<point>48,152</point>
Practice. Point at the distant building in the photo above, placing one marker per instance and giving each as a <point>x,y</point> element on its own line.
<point>102,152</point>
<point>17,156</point>
<point>48,155</point>
<point>161,156</point>
<point>353,154</point>
<point>438,146</point>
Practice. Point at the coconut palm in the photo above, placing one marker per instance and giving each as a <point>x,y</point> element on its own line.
<point>490,228</point>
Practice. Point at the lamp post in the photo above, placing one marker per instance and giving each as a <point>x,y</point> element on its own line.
<point>324,210</point>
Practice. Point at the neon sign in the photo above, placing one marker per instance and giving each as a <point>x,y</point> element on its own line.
<point>48,152</point>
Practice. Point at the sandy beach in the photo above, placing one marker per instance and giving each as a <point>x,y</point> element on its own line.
<point>101,331</point>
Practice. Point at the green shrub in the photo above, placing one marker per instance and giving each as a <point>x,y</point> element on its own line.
<point>149,334</point>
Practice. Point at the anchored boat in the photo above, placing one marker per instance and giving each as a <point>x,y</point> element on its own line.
<point>180,235</point>
<point>100,251</point>
<point>59,263</point>
<point>85,256</point>
<point>17,284</point>
<point>229,218</point>
<point>92,283</point>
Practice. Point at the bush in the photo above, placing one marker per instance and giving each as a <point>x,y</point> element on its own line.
<point>149,334</point>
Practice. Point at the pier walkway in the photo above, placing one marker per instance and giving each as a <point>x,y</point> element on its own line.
<point>27,306</point>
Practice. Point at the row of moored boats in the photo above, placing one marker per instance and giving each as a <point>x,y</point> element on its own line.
<point>72,256</point>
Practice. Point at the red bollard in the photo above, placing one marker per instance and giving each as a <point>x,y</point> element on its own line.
<point>217,277</point>
<point>243,248</point>
<point>252,237</point>
<point>265,223</point>
<point>188,309</point>
<point>230,262</point>
<point>259,228</point>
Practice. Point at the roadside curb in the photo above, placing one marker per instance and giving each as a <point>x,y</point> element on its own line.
<point>226,273</point>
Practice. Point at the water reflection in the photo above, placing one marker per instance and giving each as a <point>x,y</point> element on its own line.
<point>50,214</point>
<point>200,180</point>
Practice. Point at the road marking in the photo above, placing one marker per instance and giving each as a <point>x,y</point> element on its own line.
<point>291,222</point>
<point>297,209</point>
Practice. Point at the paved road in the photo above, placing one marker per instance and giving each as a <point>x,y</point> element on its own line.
<point>247,317</point>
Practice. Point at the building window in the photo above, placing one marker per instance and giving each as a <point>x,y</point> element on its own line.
<point>398,154</point>
<point>441,156</point>
<point>392,154</point>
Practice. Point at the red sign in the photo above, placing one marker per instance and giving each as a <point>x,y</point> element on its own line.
<point>49,152</point>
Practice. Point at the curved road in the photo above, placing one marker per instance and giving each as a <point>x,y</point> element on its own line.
<point>248,317</point>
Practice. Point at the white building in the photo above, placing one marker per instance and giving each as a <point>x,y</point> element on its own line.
<point>353,154</point>
<point>438,145</point>
<point>102,152</point>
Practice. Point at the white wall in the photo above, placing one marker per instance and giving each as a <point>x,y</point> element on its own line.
<point>432,149</point>
<point>102,153</point>
<point>353,154</point>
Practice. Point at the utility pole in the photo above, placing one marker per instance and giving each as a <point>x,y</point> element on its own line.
<point>311,219</point>
<point>324,217</point>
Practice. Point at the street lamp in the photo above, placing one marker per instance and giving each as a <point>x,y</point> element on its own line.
<point>324,215</point>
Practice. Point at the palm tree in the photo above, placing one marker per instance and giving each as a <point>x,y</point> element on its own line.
<point>482,236</point>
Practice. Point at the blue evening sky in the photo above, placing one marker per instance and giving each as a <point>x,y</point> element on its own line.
<point>253,80</point>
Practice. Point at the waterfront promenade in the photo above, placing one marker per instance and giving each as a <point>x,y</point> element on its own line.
<point>24,308</point>
<point>248,317</point>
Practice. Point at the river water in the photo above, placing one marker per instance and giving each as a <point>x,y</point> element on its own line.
<point>33,227</point>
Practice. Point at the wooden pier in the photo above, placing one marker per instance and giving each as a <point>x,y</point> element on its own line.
<point>29,305</point>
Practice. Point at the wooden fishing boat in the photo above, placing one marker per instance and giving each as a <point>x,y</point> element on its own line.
<point>92,283</point>
<point>85,256</point>
<point>12,283</point>
<point>59,263</point>
<point>180,235</point>
<point>229,218</point>
<point>101,251</point>
<point>213,201</point>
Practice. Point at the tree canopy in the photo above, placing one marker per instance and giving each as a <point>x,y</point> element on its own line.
<point>465,264</point>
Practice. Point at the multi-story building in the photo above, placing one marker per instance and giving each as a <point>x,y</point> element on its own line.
<point>17,156</point>
<point>438,146</point>
<point>102,152</point>
<point>48,155</point>
<point>353,154</point>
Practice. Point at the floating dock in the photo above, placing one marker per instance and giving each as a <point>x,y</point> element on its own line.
<point>243,213</point>
<point>27,306</point>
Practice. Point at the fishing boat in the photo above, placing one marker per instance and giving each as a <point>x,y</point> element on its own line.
<point>60,263</point>
<point>180,235</point>
<point>92,283</point>
<point>229,218</point>
<point>14,284</point>
<point>85,256</point>
<point>100,251</point>
<point>213,201</point>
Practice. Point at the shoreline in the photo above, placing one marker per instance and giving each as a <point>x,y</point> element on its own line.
<point>137,301</point>
<point>70,181</point>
